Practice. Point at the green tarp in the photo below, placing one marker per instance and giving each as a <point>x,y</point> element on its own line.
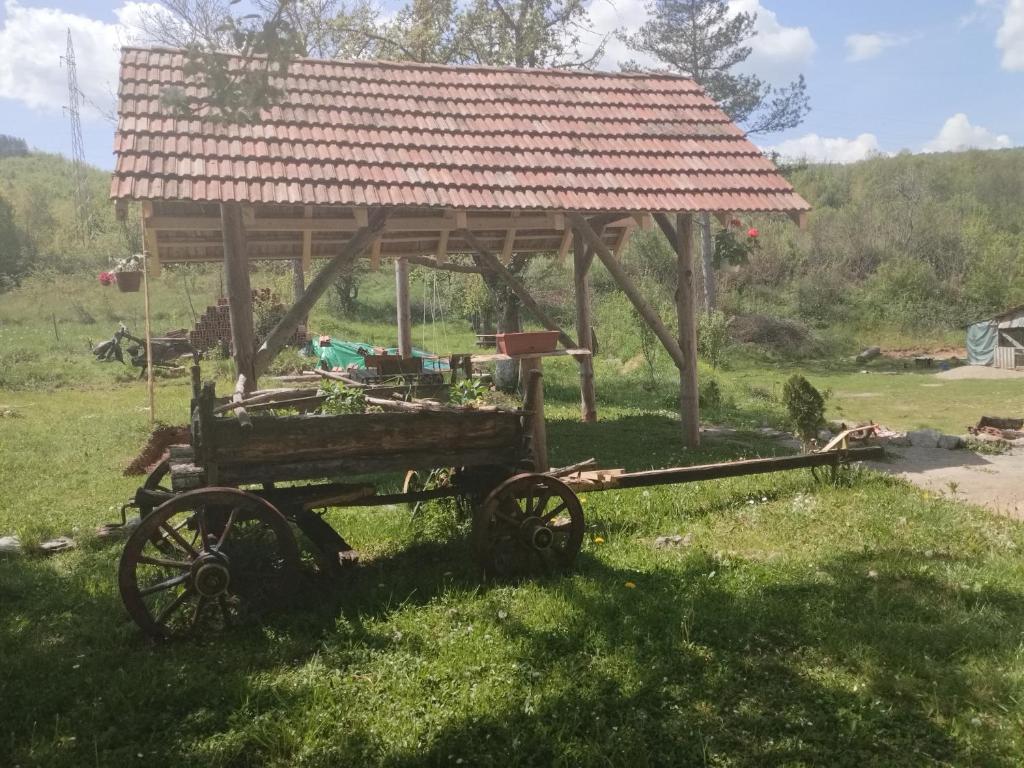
<point>982,339</point>
<point>343,354</point>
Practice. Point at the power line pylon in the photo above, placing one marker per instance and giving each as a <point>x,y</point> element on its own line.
<point>77,144</point>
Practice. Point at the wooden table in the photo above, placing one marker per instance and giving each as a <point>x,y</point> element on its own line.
<point>534,361</point>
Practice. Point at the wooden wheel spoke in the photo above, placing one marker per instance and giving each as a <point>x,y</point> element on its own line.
<point>162,561</point>
<point>167,584</point>
<point>179,539</point>
<point>554,513</point>
<point>227,527</point>
<point>201,529</point>
<point>174,605</point>
<point>542,502</point>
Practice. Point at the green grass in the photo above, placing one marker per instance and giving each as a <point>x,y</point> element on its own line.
<point>862,625</point>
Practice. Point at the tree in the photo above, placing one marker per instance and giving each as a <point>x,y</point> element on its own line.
<point>705,41</point>
<point>13,248</point>
<point>12,146</point>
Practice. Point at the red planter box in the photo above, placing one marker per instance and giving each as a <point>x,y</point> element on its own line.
<point>526,343</point>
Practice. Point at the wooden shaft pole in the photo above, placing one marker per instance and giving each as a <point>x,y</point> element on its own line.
<point>649,314</point>
<point>494,265</point>
<point>286,326</point>
<point>581,283</point>
<point>531,374</point>
<point>150,384</point>
<point>239,290</point>
<point>402,307</point>
<point>689,399</point>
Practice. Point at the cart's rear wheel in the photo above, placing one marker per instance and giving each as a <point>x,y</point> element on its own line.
<point>205,560</point>
<point>527,525</point>
<point>157,482</point>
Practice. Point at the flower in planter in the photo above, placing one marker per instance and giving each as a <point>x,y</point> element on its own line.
<point>131,263</point>
<point>107,278</point>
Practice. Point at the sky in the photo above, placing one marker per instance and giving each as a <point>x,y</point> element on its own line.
<point>884,76</point>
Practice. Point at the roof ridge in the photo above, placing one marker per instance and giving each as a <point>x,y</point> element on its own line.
<point>387,64</point>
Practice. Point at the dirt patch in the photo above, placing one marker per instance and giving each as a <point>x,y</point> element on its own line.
<point>992,482</point>
<point>979,372</point>
<point>784,336</point>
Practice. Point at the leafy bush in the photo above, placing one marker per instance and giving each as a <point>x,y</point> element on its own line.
<point>713,338</point>
<point>342,399</point>
<point>805,406</point>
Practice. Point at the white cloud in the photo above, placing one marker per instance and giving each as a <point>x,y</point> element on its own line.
<point>957,134</point>
<point>33,41</point>
<point>819,149</point>
<point>1010,37</point>
<point>779,53</point>
<point>864,47</point>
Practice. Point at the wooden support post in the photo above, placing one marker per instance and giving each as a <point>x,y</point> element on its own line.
<point>494,264</point>
<point>287,325</point>
<point>402,302</point>
<point>649,314</point>
<point>239,290</point>
<point>442,247</point>
<point>530,373</point>
<point>307,245</point>
<point>149,240</point>
<point>686,313</point>
<point>581,282</point>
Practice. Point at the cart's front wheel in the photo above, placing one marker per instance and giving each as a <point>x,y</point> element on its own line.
<point>527,525</point>
<point>205,560</point>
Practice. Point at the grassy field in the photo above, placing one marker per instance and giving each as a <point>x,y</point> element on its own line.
<point>797,625</point>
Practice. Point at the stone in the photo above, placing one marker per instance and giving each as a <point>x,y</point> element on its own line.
<point>924,438</point>
<point>950,442</point>
<point>10,545</point>
<point>664,542</point>
<point>900,439</point>
<point>824,436</point>
<point>55,546</point>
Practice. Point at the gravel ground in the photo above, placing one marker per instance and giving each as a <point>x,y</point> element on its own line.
<point>979,372</point>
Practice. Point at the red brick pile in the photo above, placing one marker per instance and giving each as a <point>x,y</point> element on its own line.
<point>214,327</point>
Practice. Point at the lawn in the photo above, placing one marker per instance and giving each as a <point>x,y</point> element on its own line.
<point>797,624</point>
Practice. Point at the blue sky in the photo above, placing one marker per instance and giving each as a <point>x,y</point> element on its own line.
<point>884,75</point>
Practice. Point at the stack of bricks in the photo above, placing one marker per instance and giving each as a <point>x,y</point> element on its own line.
<point>214,327</point>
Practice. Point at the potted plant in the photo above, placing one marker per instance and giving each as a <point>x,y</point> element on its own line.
<point>128,273</point>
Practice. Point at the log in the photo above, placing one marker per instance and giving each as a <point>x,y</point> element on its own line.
<point>686,313</point>
<point>402,308</point>
<point>534,424</point>
<point>264,396</point>
<point>582,258</point>
<point>239,290</point>
<point>287,325</point>
<point>494,265</point>
<point>335,376</point>
<point>237,399</point>
<point>572,468</point>
<point>649,314</point>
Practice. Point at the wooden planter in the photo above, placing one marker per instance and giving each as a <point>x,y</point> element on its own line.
<point>129,282</point>
<point>526,343</point>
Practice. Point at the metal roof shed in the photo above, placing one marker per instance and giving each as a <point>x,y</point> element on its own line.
<point>413,162</point>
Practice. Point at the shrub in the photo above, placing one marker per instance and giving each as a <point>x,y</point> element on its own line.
<point>805,406</point>
<point>713,338</point>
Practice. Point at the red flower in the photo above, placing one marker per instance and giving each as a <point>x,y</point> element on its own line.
<point>752,232</point>
<point>107,278</point>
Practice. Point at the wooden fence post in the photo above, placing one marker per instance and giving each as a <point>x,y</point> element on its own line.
<point>402,304</point>
<point>239,290</point>
<point>689,397</point>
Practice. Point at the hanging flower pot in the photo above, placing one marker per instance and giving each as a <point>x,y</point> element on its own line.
<point>128,273</point>
<point>129,282</point>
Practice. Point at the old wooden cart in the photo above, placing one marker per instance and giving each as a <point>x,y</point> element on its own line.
<point>216,543</point>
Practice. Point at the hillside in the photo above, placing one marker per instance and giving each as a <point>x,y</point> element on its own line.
<point>914,243</point>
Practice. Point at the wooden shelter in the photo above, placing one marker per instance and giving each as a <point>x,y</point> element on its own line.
<point>413,163</point>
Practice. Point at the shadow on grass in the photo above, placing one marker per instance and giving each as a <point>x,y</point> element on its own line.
<point>702,663</point>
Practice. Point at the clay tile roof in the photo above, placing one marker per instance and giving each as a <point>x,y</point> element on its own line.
<point>438,136</point>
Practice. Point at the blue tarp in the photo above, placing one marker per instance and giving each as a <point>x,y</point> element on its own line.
<point>982,339</point>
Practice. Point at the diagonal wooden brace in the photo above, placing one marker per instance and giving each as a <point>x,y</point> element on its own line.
<point>286,326</point>
<point>493,263</point>
<point>649,313</point>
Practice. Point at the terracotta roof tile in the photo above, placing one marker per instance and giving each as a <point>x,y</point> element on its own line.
<point>383,133</point>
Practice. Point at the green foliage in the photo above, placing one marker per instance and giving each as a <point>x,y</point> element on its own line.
<point>342,399</point>
<point>14,249</point>
<point>467,392</point>
<point>12,146</point>
<point>713,339</point>
<point>805,406</point>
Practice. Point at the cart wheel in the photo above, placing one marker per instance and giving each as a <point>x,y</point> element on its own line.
<point>529,524</point>
<point>158,480</point>
<point>205,560</point>
<point>416,480</point>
